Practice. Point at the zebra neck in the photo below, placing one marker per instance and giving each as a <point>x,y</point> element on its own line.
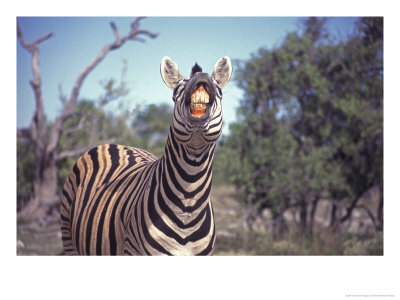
<point>188,173</point>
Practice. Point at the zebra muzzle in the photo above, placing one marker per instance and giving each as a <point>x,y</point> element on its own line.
<point>198,101</point>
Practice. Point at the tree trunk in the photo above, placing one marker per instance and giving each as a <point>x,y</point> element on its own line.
<point>45,178</point>
<point>303,218</point>
<point>334,223</point>
<point>49,181</point>
<point>312,217</point>
<point>248,223</point>
<point>379,223</point>
<point>45,198</point>
<point>279,227</point>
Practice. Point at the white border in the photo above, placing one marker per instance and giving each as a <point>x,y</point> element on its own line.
<point>199,278</point>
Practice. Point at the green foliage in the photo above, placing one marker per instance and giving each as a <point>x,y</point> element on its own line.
<point>149,130</point>
<point>151,126</point>
<point>311,121</point>
<point>25,165</point>
<point>90,126</point>
<point>370,246</point>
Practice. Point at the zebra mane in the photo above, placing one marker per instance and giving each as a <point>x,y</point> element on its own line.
<point>196,68</point>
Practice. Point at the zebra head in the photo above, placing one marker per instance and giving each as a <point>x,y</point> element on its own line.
<point>198,111</point>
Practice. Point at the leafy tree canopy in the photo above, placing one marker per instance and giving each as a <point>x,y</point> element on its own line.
<point>311,121</point>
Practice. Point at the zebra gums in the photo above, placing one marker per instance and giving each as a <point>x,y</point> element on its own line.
<point>120,200</point>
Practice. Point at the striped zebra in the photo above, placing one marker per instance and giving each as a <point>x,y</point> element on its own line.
<point>120,200</point>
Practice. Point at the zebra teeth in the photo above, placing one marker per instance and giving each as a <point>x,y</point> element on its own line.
<point>197,109</point>
<point>198,101</point>
<point>200,96</point>
<point>197,105</point>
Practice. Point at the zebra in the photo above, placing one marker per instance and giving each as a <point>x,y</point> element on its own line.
<point>121,200</point>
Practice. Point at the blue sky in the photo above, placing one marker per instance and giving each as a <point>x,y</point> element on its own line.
<point>77,40</point>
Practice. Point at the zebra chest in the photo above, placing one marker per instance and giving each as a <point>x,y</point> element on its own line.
<point>187,241</point>
<point>167,230</point>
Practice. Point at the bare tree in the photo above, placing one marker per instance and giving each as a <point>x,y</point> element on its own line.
<point>46,145</point>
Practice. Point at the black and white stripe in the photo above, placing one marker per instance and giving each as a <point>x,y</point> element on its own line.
<point>120,200</point>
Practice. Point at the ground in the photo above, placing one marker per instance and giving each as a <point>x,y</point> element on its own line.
<point>232,239</point>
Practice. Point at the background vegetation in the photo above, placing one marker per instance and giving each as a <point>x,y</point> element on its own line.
<point>299,173</point>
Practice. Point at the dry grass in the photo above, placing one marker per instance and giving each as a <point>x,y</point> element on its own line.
<point>35,240</point>
<point>358,237</point>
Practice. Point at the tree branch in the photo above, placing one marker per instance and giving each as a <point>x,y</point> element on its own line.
<point>135,23</point>
<point>77,127</point>
<point>25,132</point>
<point>369,212</point>
<point>119,42</point>
<point>78,152</point>
<point>61,96</point>
<point>350,209</point>
<point>146,32</point>
<point>69,153</point>
<point>334,64</point>
<point>43,38</point>
<point>38,127</point>
<point>116,33</point>
<point>71,103</point>
<point>22,40</point>
<point>30,47</point>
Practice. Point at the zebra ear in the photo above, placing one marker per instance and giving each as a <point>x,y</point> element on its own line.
<point>222,71</point>
<point>169,72</point>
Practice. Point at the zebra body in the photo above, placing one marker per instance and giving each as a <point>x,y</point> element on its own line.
<point>121,200</point>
